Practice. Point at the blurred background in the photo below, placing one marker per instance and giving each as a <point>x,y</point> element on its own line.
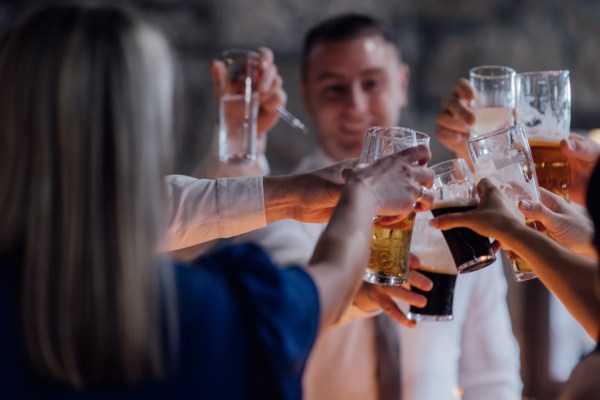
<point>440,41</point>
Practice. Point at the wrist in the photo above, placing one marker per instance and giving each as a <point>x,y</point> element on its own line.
<point>279,195</point>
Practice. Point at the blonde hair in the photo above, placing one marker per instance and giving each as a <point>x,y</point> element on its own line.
<point>86,94</point>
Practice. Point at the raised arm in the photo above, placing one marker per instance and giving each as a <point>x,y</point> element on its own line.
<point>570,276</point>
<point>388,187</point>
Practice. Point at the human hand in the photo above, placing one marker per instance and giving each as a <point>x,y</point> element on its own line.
<point>582,154</point>
<point>270,90</point>
<point>374,297</point>
<point>495,216</point>
<point>455,119</point>
<point>316,193</point>
<point>563,222</point>
<point>397,183</point>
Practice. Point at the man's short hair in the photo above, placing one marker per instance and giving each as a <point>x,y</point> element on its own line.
<point>342,28</point>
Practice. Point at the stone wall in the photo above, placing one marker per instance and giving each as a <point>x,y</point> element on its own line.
<point>440,41</point>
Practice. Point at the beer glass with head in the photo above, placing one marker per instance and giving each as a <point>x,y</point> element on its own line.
<point>390,244</point>
<point>454,191</point>
<point>434,256</point>
<point>504,157</point>
<point>544,111</point>
<point>494,101</point>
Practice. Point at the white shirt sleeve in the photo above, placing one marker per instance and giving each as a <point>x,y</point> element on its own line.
<point>199,210</point>
<point>489,362</point>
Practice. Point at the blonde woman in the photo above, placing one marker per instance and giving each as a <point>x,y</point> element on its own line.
<point>87,308</point>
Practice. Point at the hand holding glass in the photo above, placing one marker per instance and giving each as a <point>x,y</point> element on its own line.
<point>390,245</point>
<point>454,191</point>
<point>504,157</point>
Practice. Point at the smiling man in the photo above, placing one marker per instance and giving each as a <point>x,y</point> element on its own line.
<point>350,85</point>
<point>353,78</point>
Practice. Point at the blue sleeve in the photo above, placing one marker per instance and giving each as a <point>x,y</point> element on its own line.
<point>270,314</point>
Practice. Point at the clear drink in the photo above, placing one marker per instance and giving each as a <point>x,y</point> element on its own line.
<point>390,252</point>
<point>237,131</point>
<point>488,119</point>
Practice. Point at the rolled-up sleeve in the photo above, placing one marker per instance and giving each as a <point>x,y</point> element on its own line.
<point>199,210</point>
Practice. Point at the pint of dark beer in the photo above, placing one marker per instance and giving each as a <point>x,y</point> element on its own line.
<point>454,191</point>
<point>436,263</point>
<point>470,250</point>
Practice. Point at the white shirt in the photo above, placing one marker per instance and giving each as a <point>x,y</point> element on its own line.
<point>475,353</point>
<point>200,210</point>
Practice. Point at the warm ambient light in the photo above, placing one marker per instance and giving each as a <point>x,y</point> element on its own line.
<point>595,135</point>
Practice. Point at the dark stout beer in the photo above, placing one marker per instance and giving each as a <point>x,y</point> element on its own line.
<point>470,250</point>
<point>439,298</point>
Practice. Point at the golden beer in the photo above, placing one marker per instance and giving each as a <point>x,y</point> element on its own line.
<point>390,252</point>
<point>551,167</point>
<point>522,271</point>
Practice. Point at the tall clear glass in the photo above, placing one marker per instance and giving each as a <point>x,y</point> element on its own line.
<point>238,108</point>
<point>494,102</point>
<point>504,157</point>
<point>544,111</point>
<point>390,245</point>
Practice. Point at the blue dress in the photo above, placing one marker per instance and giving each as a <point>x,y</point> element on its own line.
<point>246,328</point>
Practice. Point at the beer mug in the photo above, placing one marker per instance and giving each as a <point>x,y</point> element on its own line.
<point>390,244</point>
<point>454,191</point>
<point>544,111</point>
<point>504,157</point>
<point>429,245</point>
<point>494,101</point>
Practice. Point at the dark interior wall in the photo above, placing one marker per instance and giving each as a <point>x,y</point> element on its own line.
<point>440,40</point>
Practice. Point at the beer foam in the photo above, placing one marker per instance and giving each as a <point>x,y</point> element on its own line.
<point>430,246</point>
<point>545,141</point>
<point>542,125</point>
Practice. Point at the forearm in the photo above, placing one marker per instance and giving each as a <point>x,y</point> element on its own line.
<point>570,276</point>
<point>199,210</point>
<point>279,198</point>
<point>341,254</point>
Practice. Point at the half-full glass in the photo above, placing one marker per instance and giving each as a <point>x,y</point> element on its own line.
<point>454,191</point>
<point>390,245</point>
<point>238,108</point>
<point>504,157</point>
<point>494,102</point>
<point>544,111</point>
<point>429,245</point>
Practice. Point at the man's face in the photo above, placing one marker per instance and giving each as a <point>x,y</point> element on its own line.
<point>350,86</point>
